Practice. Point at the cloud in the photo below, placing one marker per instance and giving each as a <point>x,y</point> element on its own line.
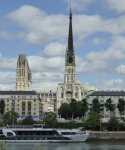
<point>97,41</point>
<point>111,85</point>
<point>121,69</point>
<point>115,52</point>
<point>7,64</point>
<point>79,4</point>
<point>53,49</point>
<point>118,5</point>
<point>40,64</point>
<point>37,27</point>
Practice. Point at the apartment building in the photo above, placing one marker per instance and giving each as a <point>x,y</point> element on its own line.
<point>47,106</point>
<point>102,97</point>
<point>25,103</point>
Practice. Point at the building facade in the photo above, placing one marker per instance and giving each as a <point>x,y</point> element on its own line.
<point>25,103</point>
<point>102,97</point>
<point>23,74</point>
<point>70,88</point>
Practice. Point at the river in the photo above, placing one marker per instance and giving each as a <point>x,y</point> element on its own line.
<point>101,145</point>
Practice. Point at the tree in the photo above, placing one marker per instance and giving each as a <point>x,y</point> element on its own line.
<point>78,112</point>
<point>28,121</point>
<point>121,105</point>
<point>96,105</point>
<point>113,123</point>
<point>84,106</point>
<point>93,119</point>
<point>73,106</point>
<point>2,107</point>
<point>109,105</point>
<point>50,120</point>
<point>64,111</point>
<point>10,117</point>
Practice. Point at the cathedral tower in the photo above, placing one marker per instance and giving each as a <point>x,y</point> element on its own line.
<point>23,75</point>
<point>69,89</point>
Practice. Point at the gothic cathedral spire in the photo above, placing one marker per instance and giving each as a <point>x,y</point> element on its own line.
<point>70,52</point>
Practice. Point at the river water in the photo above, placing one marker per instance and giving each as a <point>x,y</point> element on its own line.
<point>103,145</point>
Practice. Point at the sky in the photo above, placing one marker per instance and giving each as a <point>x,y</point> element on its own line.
<point>27,26</point>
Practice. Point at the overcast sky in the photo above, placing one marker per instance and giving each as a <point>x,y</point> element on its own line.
<point>27,26</point>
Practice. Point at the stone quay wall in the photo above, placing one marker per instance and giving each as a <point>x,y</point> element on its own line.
<point>106,135</point>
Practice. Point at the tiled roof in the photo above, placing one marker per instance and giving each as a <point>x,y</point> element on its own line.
<point>108,93</point>
<point>18,93</point>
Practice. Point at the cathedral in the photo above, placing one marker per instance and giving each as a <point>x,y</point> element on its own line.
<point>70,88</point>
<point>65,91</point>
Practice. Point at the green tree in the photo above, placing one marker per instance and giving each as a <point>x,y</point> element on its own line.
<point>96,105</point>
<point>10,117</point>
<point>50,120</point>
<point>113,123</point>
<point>71,124</point>
<point>3,146</point>
<point>93,119</point>
<point>64,111</point>
<point>78,112</point>
<point>2,107</point>
<point>28,121</point>
<point>121,105</point>
<point>109,105</point>
<point>73,106</point>
<point>84,106</point>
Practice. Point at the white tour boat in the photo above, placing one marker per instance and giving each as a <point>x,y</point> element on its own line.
<point>36,133</point>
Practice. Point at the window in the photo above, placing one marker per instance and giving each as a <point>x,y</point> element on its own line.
<point>11,96</point>
<point>34,100</point>
<point>34,104</point>
<point>18,100</point>
<point>13,101</point>
<point>8,100</point>
<point>7,104</point>
<point>18,105</point>
<point>7,109</point>
<point>30,96</point>
<point>34,113</point>
<point>23,109</point>
<point>112,101</point>
<point>34,108</point>
<point>23,113</point>
<point>106,109</point>
<point>62,95</point>
<point>18,96</point>
<point>17,108</point>
<point>101,101</point>
<point>76,95</point>
<point>23,96</point>
<point>14,96</point>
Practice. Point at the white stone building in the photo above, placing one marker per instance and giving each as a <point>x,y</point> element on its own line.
<point>102,97</point>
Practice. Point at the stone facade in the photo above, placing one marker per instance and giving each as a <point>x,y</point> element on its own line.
<point>23,75</point>
<point>25,103</point>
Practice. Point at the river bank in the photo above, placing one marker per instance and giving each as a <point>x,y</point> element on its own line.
<point>107,135</point>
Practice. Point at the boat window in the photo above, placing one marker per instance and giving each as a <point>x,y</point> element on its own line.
<point>68,133</point>
<point>9,134</point>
